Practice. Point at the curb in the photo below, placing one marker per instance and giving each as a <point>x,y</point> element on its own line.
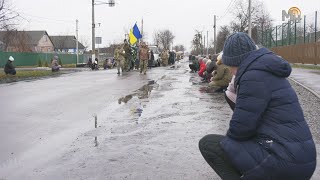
<point>310,90</point>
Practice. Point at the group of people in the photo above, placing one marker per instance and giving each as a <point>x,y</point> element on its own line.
<point>9,68</point>
<point>268,137</point>
<point>212,71</point>
<point>167,57</point>
<point>123,58</point>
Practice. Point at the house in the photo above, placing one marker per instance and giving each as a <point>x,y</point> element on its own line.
<point>67,44</point>
<point>26,41</point>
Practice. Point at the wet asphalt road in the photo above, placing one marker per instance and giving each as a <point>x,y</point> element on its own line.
<point>97,125</point>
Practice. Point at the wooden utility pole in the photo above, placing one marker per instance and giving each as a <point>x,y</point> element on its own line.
<point>215,34</point>
<point>249,28</point>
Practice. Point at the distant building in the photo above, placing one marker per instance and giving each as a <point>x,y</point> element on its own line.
<point>67,44</point>
<point>26,41</point>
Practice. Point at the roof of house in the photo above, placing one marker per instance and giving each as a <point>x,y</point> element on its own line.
<point>65,42</point>
<point>33,37</point>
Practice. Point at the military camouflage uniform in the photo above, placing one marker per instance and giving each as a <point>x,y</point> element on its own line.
<point>165,57</point>
<point>144,57</point>
<point>119,55</point>
<point>127,49</point>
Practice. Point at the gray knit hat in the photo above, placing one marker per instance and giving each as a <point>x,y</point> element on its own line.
<point>237,48</point>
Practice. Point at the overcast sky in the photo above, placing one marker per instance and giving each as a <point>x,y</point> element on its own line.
<point>182,17</point>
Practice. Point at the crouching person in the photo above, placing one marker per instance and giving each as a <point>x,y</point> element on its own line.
<point>221,76</point>
<point>55,67</point>
<point>9,67</point>
<point>268,137</point>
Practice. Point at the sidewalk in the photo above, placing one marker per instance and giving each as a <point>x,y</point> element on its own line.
<point>308,77</point>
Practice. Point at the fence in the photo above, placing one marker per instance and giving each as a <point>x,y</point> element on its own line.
<point>292,32</point>
<point>33,59</point>
<point>301,53</point>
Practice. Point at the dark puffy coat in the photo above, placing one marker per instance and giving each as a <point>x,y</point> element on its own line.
<point>268,137</point>
<point>211,67</point>
<point>8,67</point>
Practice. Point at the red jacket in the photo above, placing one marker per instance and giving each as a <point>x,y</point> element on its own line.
<point>202,69</point>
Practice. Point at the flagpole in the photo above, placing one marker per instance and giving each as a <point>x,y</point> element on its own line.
<point>142,29</point>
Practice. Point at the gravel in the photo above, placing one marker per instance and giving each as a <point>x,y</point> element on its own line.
<point>311,108</point>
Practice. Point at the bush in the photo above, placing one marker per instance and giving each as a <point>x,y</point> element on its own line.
<point>60,62</point>
<point>39,63</point>
<point>46,64</point>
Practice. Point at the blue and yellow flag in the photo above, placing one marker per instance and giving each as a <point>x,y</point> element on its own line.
<point>132,38</point>
<point>134,34</point>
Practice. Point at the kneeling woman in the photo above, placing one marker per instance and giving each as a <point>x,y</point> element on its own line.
<point>221,76</point>
<point>268,137</point>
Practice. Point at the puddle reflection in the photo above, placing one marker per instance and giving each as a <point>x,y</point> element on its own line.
<point>142,93</point>
<point>138,99</point>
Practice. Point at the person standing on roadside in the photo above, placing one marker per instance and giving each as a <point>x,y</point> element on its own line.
<point>165,57</point>
<point>144,57</point>
<point>127,50</point>
<point>119,56</point>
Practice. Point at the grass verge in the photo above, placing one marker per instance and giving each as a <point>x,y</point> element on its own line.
<point>26,75</point>
<point>306,66</point>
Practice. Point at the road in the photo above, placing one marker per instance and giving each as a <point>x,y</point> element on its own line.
<point>310,78</point>
<point>98,125</point>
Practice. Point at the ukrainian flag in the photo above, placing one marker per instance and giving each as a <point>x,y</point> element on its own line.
<point>134,34</point>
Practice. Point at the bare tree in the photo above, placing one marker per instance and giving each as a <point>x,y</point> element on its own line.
<point>178,48</point>
<point>85,42</point>
<point>17,41</point>
<point>223,33</point>
<point>163,39</point>
<point>7,15</point>
<point>23,42</point>
<point>196,42</point>
<point>261,19</point>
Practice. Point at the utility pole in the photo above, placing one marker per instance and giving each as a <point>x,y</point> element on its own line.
<point>204,44</point>
<point>111,3</point>
<point>77,42</point>
<point>249,30</point>
<point>315,27</point>
<point>201,44</point>
<point>215,34</point>
<point>207,43</point>
<point>142,29</point>
<point>93,34</point>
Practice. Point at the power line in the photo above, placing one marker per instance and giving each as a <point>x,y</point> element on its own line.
<point>227,10</point>
<point>44,18</point>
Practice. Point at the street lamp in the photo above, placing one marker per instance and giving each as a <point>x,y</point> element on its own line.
<point>111,3</point>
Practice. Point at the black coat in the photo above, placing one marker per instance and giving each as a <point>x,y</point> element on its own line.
<point>8,67</point>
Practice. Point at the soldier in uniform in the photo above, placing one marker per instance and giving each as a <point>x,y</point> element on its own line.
<point>119,55</point>
<point>127,50</point>
<point>165,57</point>
<point>144,57</point>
